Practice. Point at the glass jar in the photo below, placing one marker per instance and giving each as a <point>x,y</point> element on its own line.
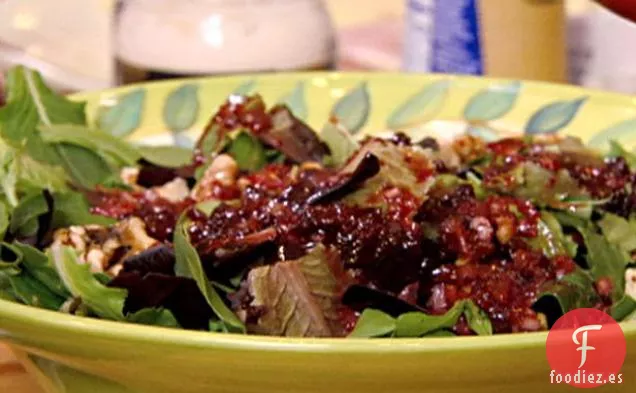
<point>157,39</point>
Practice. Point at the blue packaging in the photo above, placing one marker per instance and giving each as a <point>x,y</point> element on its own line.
<point>443,36</point>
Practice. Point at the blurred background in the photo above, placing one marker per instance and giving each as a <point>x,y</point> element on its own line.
<point>93,44</point>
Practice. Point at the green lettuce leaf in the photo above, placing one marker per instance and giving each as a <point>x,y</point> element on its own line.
<point>31,103</point>
<point>619,231</point>
<point>72,208</point>
<point>605,259</point>
<point>575,290</point>
<point>105,144</point>
<point>105,302</point>
<point>248,152</point>
<point>551,240</point>
<point>417,324</point>
<point>41,268</point>
<point>616,150</point>
<point>4,219</point>
<point>24,220</point>
<point>374,323</point>
<point>154,317</point>
<point>477,319</point>
<point>188,264</point>
<point>167,156</point>
<point>31,292</point>
<point>624,309</point>
<point>25,286</point>
<point>85,166</point>
<point>340,142</point>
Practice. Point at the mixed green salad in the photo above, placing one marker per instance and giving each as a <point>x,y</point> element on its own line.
<point>269,227</point>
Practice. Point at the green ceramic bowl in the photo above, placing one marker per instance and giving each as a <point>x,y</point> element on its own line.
<point>71,354</point>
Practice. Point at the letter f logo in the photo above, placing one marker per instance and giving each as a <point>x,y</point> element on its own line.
<point>583,344</point>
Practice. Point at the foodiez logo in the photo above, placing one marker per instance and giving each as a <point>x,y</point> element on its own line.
<point>586,348</point>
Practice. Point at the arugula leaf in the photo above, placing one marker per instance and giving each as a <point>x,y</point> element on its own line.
<point>4,219</point>
<point>477,319</point>
<point>374,323</point>
<point>26,280</point>
<point>212,140</point>
<point>8,178</point>
<point>31,292</point>
<point>248,152</point>
<point>624,309</point>
<point>167,156</point>
<point>188,264</point>
<point>20,174</point>
<point>544,187</point>
<point>91,139</point>
<point>341,143</point>
<point>24,220</point>
<point>105,302</point>
<point>606,260</point>
<point>33,175</point>
<point>551,240</point>
<point>86,167</point>
<point>575,290</point>
<point>31,103</point>
<point>417,324</point>
<point>154,317</point>
<point>441,333</point>
<point>40,267</point>
<point>6,293</point>
<point>72,208</point>
<point>617,150</point>
<point>10,259</point>
<point>619,231</point>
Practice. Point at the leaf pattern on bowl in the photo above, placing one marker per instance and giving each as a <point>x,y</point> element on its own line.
<point>245,88</point>
<point>352,110</point>
<point>295,101</point>
<point>181,108</point>
<point>555,116</point>
<point>421,107</point>
<point>492,102</point>
<point>484,132</point>
<point>124,116</point>
<point>619,131</point>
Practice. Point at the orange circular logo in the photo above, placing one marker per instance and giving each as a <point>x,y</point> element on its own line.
<point>586,348</point>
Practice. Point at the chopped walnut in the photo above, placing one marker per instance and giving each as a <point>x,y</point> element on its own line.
<point>469,148</point>
<point>223,170</point>
<point>105,248</point>
<point>129,176</point>
<point>174,191</point>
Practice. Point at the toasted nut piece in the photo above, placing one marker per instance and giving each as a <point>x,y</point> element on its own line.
<point>129,175</point>
<point>98,246</point>
<point>309,165</point>
<point>133,234</point>
<point>223,170</point>
<point>174,191</point>
<point>469,147</point>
